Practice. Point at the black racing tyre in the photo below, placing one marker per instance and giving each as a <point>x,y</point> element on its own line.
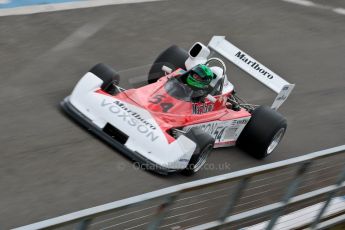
<point>263,132</point>
<point>204,145</point>
<point>174,57</point>
<point>107,74</point>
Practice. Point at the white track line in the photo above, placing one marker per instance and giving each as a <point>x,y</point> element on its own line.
<point>62,49</point>
<point>301,2</point>
<point>23,10</point>
<point>81,34</point>
<point>308,3</point>
<point>339,11</point>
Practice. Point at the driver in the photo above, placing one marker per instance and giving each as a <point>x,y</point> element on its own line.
<point>199,79</point>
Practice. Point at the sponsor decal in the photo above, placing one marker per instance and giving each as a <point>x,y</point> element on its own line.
<point>239,122</point>
<point>224,132</point>
<point>216,130</point>
<point>184,160</point>
<point>283,94</point>
<point>256,66</point>
<point>202,108</point>
<point>131,118</point>
<point>282,98</point>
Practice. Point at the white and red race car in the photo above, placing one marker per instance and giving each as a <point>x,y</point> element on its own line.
<point>162,127</point>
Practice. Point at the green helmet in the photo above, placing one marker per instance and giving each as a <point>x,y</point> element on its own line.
<point>200,77</point>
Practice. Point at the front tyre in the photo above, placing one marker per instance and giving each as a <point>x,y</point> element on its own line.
<point>204,147</point>
<point>108,75</point>
<point>263,132</point>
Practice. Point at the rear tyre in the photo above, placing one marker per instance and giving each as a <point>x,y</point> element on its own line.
<point>108,75</point>
<point>173,57</point>
<point>204,145</point>
<point>263,132</point>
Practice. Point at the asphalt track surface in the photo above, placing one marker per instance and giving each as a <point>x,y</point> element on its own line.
<point>50,166</point>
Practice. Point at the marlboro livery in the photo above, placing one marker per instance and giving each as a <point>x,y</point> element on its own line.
<point>164,126</point>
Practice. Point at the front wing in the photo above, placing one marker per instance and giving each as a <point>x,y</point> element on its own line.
<point>133,155</point>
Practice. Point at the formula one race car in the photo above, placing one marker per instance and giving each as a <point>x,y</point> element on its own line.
<point>163,126</point>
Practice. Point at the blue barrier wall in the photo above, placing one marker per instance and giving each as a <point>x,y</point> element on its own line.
<point>18,3</point>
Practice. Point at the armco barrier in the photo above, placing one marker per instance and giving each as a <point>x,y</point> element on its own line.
<point>231,201</point>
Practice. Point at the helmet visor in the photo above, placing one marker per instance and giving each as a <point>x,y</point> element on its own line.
<point>195,80</point>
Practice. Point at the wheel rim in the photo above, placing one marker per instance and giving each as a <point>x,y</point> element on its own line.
<point>275,140</point>
<point>203,157</point>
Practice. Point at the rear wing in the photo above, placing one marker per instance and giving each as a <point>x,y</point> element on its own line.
<point>261,73</point>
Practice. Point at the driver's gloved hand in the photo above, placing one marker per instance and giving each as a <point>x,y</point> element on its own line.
<point>236,107</point>
<point>198,99</point>
<point>199,95</point>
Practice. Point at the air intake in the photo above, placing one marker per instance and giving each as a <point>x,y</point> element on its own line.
<point>115,133</point>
